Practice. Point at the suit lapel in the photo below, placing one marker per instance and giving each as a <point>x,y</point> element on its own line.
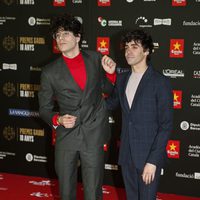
<point>142,85</point>
<point>87,63</point>
<point>125,100</point>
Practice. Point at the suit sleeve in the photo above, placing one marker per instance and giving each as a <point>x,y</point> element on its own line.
<point>46,101</point>
<point>165,123</point>
<point>112,101</point>
<point>106,84</point>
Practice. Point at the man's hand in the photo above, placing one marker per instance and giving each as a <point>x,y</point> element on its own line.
<point>108,64</point>
<point>68,121</point>
<point>148,173</point>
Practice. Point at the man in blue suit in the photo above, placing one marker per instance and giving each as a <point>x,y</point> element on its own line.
<point>146,102</point>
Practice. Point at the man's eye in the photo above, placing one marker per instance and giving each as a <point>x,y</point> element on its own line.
<point>65,33</point>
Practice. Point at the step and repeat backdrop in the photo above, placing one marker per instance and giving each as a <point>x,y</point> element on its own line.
<point>27,143</point>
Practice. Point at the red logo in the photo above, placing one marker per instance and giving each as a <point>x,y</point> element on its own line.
<point>104,2</point>
<point>59,2</point>
<point>177,99</point>
<point>103,44</point>
<point>178,2</point>
<point>176,48</point>
<point>173,149</point>
<point>55,48</point>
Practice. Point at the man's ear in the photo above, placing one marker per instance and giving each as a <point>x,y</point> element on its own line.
<point>78,38</point>
<point>146,52</point>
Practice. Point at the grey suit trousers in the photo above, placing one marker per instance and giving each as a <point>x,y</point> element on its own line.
<point>92,170</point>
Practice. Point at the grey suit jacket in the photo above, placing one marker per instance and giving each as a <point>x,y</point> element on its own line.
<point>92,127</point>
<point>147,125</point>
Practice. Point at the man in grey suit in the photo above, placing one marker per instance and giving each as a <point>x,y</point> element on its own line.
<point>146,101</point>
<point>77,81</point>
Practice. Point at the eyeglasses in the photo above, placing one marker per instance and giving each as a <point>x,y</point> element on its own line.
<point>60,35</point>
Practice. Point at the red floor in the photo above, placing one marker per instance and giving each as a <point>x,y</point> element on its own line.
<point>18,187</point>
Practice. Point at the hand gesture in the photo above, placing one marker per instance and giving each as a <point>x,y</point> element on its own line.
<point>68,121</point>
<point>108,64</point>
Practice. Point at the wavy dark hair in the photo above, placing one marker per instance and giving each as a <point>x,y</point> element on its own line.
<point>140,36</point>
<point>66,22</point>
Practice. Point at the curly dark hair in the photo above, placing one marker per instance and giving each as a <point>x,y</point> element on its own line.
<point>66,22</point>
<point>139,36</point>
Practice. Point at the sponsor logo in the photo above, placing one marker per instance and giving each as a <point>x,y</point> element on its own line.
<point>28,90</point>
<point>84,44</point>
<point>173,149</point>
<point>22,113</point>
<point>5,19</point>
<point>173,73</point>
<point>184,125</point>
<point>28,135</point>
<point>77,1</point>
<point>184,175</point>
<point>80,19</point>
<point>177,99</point>
<point>191,23</point>
<point>28,43</point>
<point>59,2</point>
<point>104,2</point>
<point>35,68</point>
<point>178,2</point>
<point>40,194</point>
<point>142,22</point>
<point>103,44</point>
<point>6,154</point>
<point>166,22</point>
<point>26,2</point>
<point>6,66</point>
<point>9,133</point>
<point>111,167</point>
<point>35,158</point>
<point>32,21</point>
<point>192,126</point>
<point>23,89</point>
<point>195,100</point>
<point>155,45</point>
<point>9,89</point>
<point>103,22</point>
<point>196,48</point>
<point>194,151</point>
<point>42,183</point>
<point>176,48</point>
<point>196,74</point>
<point>197,175</point>
<point>9,43</point>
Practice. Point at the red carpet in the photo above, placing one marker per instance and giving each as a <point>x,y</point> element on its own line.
<point>18,187</point>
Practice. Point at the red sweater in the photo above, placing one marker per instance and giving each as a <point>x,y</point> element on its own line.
<point>77,69</point>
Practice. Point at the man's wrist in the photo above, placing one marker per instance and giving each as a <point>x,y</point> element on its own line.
<point>59,120</point>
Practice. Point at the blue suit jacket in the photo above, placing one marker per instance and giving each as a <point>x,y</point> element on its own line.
<point>147,125</point>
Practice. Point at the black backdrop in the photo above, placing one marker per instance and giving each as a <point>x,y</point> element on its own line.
<point>26,46</point>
